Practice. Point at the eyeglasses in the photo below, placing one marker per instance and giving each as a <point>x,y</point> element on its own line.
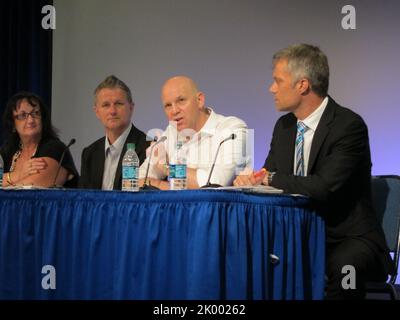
<point>24,115</point>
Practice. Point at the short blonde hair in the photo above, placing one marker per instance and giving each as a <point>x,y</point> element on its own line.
<point>305,60</point>
<point>112,82</point>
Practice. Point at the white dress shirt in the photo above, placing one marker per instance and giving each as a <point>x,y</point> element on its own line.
<point>311,122</point>
<point>112,155</point>
<point>201,148</point>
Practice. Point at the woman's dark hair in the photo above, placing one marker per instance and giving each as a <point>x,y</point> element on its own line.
<point>10,135</point>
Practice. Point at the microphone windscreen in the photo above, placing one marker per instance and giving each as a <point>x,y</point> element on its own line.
<point>71,142</point>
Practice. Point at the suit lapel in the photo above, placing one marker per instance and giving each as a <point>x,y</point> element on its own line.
<point>287,141</point>
<point>322,131</point>
<point>99,161</point>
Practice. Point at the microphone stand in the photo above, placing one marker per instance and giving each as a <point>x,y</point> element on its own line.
<point>60,163</point>
<point>214,185</point>
<point>208,184</point>
<point>149,187</point>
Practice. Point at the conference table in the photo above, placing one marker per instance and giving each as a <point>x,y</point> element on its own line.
<point>160,245</point>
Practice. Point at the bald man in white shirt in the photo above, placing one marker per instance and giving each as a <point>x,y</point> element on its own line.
<point>201,130</point>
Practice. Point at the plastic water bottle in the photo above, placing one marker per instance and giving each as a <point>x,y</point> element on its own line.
<point>1,171</point>
<point>177,169</point>
<point>130,169</point>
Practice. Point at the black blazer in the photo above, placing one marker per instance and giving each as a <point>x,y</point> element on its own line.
<point>93,157</point>
<point>338,176</point>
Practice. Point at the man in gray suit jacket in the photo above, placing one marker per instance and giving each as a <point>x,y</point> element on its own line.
<point>321,150</point>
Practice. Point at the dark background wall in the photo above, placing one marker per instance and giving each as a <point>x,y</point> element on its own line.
<point>26,51</point>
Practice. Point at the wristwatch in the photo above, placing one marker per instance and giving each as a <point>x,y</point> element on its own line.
<point>270,176</point>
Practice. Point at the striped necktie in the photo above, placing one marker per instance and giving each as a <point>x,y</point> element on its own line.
<point>301,128</point>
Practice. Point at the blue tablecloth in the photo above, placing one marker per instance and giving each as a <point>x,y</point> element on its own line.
<point>203,244</point>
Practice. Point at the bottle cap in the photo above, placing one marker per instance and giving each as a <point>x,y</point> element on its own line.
<point>130,146</point>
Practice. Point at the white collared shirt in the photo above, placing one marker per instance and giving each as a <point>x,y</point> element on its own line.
<point>112,155</point>
<point>311,122</point>
<point>202,147</point>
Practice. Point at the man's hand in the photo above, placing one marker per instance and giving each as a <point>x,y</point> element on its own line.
<point>160,184</point>
<point>162,169</point>
<point>159,159</point>
<point>250,179</point>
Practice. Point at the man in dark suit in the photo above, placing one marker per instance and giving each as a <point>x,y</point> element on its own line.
<point>321,150</point>
<point>102,160</point>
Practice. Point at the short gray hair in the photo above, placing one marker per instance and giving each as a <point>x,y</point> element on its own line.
<point>112,82</point>
<point>307,61</point>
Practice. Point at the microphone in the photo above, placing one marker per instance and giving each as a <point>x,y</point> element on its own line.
<point>213,185</point>
<point>61,160</point>
<point>145,185</point>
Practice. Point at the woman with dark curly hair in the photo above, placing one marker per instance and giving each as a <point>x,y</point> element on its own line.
<point>32,150</point>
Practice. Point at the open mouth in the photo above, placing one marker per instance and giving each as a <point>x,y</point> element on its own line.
<point>179,120</point>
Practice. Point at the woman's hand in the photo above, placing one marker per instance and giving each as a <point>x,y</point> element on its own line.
<point>33,166</point>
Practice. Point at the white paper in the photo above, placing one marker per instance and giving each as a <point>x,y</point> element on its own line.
<point>255,189</point>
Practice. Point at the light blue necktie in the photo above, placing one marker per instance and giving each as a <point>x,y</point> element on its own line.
<point>301,128</point>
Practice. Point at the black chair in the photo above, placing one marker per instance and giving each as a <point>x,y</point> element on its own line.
<point>386,201</point>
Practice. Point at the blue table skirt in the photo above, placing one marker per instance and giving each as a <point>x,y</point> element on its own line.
<point>203,244</point>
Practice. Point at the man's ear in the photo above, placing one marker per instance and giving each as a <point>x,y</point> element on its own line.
<point>95,111</point>
<point>304,86</point>
<point>201,100</point>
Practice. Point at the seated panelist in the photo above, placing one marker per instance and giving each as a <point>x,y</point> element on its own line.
<point>101,165</point>
<point>200,129</point>
<point>321,150</point>
<point>32,149</point>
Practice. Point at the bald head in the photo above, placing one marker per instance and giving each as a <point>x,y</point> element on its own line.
<point>182,82</point>
<point>184,103</point>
